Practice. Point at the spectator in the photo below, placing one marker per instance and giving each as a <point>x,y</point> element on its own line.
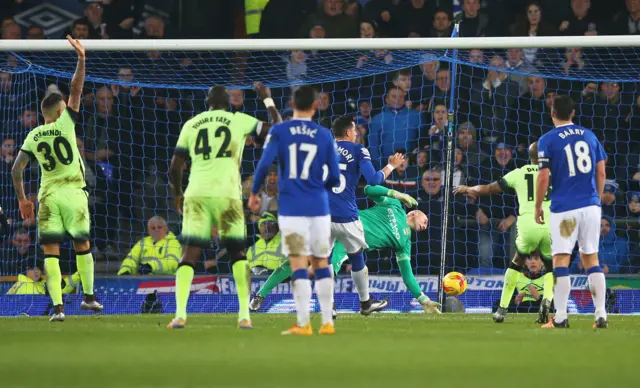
<point>439,94</point>
<point>491,98</point>
<point>441,25</point>
<point>580,21</point>
<point>468,144</point>
<point>532,25</point>
<point>18,253</point>
<point>530,115</point>
<point>34,31</point>
<point>237,102</point>
<point>404,178</point>
<point>266,254</point>
<point>296,66</point>
<point>431,185</point>
<point>610,205</point>
<point>422,161</point>
<point>574,65</point>
<point>520,70</point>
<point>317,32</point>
<point>11,31</point>
<point>99,28</point>
<point>28,119</point>
<point>626,22</point>
<point>367,30</point>
<point>283,19</point>
<point>325,109</point>
<point>384,14</point>
<point>331,16</point>
<point>402,80</point>
<point>122,13</point>
<point>7,195</point>
<point>459,167</point>
<point>438,128</point>
<point>395,127</point>
<point>413,15</point>
<point>473,23</point>
<point>362,120</point>
<point>80,29</point>
<point>613,251</point>
<point>157,254</point>
<point>529,288</point>
<point>424,79</point>
<point>30,283</point>
<point>269,192</point>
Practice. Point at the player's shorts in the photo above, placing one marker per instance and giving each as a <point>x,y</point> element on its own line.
<point>201,214</point>
<point>532,236</point>
<point>350,234</point>
<point>63,212</point>
<point>305,236</point>
<point>581,225</point>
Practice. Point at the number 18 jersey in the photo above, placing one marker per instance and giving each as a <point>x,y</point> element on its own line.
<point>54,146</point>
<point>571,152</point>
<point>214,141</point>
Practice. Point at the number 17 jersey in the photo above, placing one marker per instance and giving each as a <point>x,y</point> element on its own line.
<point>214,141</point>
<point>571,152</point>
<point>54,146</point>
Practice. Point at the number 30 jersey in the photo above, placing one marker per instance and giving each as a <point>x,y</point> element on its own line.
<point>307,163</point>
<point>354,159</point>
<point>571,152</point>
<point>54,146</point>
<point>214,141</point>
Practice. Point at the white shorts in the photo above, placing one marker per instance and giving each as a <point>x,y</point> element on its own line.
<point>350,235</point>
<point>581,225</point>
<point>305,236</point>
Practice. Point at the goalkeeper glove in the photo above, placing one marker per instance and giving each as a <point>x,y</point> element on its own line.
<point>406,199</point>
<point>145,269</point>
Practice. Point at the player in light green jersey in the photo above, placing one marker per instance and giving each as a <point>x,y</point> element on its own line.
<point>214,141</point>
<point>63,207</point>
<point>530,237</point>
<point>385,225</point>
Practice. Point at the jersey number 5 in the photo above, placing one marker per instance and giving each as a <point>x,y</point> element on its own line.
<point>65,157</point>
<point>583,160</point>
<point>202,143</point>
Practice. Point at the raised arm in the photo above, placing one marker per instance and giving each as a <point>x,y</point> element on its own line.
<point>77,82</point>
<point>374,177</point>
<point>378,194</point>
<point>17,171</point>
<point>274,115</point>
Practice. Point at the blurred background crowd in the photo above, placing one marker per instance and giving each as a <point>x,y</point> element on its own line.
<point>130,125</point>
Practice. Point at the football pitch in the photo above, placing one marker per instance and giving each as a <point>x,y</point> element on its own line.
<point>404,350</point>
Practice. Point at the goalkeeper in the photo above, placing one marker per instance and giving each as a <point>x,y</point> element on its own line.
<point>386,225</point>
<point>530,237</point>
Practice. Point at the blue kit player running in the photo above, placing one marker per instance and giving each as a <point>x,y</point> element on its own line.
<point>303,149</point>
<point>575,159</point>
<point>354,160</point>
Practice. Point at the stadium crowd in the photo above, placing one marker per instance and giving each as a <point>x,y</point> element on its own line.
<point>127,131</point>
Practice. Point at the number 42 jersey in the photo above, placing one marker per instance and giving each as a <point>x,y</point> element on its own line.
<point>54,146</point>
<point>214,141</point>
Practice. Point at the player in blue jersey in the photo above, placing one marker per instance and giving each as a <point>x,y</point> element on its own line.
<point>575,159</point>
<point>354,160</point>
<point>303,149</point>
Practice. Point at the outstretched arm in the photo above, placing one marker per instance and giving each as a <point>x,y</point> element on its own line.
<point>378,194</point>
<point>374,177</point>
<point>77,82</point>
<point>479,190</point>
<point>274,115</point>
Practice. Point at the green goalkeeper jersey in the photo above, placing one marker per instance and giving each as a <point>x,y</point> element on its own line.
<point>386,226</point>
<point>214,141</point>
<point>523,181</point>
<point>54,146</point>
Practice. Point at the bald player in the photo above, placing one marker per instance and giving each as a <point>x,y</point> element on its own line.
<point>530,237</point>
<point>63,201</point>
<point>214,141</point>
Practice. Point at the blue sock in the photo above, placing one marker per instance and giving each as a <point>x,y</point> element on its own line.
<point>594,269</point>
<point>357,261</point>
<point>299,274</point>
<point>322,273</point>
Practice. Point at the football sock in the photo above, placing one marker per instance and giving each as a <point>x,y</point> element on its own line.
<point>241,276</point>
<point>598,288</point>
<point>54,279</point>
<point>184,277</point>
<point>563,287</point>
<point>510,281</point>
<point>324,291</point>
<point>84,263</point>
<point>409,279</point>
<point>547,288</point>
<point>281,273</point>
<point>302,295</point>
<point>360,275</point>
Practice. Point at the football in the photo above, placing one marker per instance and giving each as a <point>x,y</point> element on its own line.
<point>454,283</point>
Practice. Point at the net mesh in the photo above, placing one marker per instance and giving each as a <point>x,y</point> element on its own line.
<point>135,103</point>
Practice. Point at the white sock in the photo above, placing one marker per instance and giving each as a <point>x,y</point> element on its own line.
<point>561,297</point>
<point>598,288</point>
<point>361,279</point>
<point>302,296</point>
<point>324,290</point>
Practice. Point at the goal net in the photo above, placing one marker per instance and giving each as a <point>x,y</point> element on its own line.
<point>492,103</point>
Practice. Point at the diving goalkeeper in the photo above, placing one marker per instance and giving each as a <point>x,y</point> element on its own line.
<point>530,237</point>
<point>386,225</point>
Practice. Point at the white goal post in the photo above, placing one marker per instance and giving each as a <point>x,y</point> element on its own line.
<point>324,44</point>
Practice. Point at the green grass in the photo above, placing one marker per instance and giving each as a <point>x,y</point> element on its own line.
<point>379,351</point>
